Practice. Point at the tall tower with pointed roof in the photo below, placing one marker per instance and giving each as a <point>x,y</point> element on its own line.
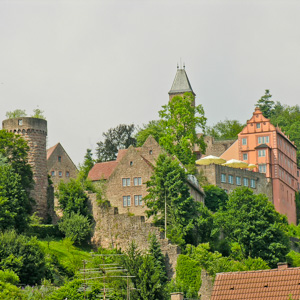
<point>181,84</point>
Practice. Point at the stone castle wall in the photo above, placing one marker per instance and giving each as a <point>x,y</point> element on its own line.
<point>114,230</point>
<point>34,131</point>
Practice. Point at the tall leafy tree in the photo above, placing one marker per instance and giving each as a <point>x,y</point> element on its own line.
<point>228,129</point>
<point>150,285</point>
<point>179,121</point>
<point>215,197</point>
<point>159,258</point>
<point>265,104</point>
<point>153,128</point>
<point>14,200</point>
<point>168,185</point>
<point>15,149</point>
<point>120,137</point>
<point>252,222</point>
<point>87,165</point>
<point>72,197</point>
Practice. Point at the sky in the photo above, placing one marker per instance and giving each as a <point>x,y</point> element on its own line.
<point>92,65</point>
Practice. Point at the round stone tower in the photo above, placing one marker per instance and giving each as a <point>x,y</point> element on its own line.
<point>34,131</point>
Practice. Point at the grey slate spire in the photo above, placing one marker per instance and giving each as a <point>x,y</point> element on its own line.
<point>181,83</point>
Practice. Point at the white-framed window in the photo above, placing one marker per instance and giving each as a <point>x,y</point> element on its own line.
<point>244,141</point>
<point>126,201</point>
<point>261,153</point>
<point>245,156</point>
<point>137,181</point>
<point>238,180</point>
<point>246,181</point>
<point>138,200</point>
<point>52,173</point>
<point>257,125</point>
<point>230,179</point>
<point>262,168</point>
<point>125,181</point>
<point>263,139</point>
<point>60,173</point>
<point>223,177</point>
<point>252,183</point>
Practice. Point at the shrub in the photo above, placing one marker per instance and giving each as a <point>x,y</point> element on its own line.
<point>75,226</point>
<point>23,256</point>
<point>42,231</point>
<point>9,276</point>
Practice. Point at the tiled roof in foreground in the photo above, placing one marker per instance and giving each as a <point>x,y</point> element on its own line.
<point>275,284</point>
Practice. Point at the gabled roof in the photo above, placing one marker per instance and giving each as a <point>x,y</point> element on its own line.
<point>181,83</point>
<point>102,170</point>
<point>51,150</point>
<point>275,284</point>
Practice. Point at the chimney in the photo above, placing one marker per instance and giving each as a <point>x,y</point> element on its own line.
<point>177,296</point>
<point>206,286</point>
<point>282,265</point>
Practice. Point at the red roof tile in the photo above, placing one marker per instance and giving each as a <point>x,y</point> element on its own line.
<point>274,284</point>
<point>102,170</point>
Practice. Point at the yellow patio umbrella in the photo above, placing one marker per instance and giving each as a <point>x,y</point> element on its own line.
<point>252,166</point>
<point>210,159</point>
<point>234,163</point>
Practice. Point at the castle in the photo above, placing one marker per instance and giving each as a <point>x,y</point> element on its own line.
<point>259,143</point>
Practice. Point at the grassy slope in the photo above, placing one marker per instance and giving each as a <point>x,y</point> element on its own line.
<point>71,258</point>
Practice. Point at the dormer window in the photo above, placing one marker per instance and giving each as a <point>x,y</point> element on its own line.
<point>257,125</point>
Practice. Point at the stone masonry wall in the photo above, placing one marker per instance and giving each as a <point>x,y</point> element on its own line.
<point>34,131</point>
<point>114,230</point>
<point>213,173</point>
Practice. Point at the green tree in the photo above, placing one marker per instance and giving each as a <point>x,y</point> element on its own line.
<point>265,104</point>
<point>18,113</point>
<point>14,201</point>
<point>252,222</point>
<point>215,197</point>
<point>75,226</point>
<point>228,129</point>
<point>39,114</point>
<point>179,120</point>
<point>153,128</point>
<point>159,258</point>
<point>120,137</point>
<point>168,184</point>
<point>132,261</point>
<point>87,165</point>
<point>22,255</point>
<point>150,285</point>
<point>72,197</point>
<point>15,149</point>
